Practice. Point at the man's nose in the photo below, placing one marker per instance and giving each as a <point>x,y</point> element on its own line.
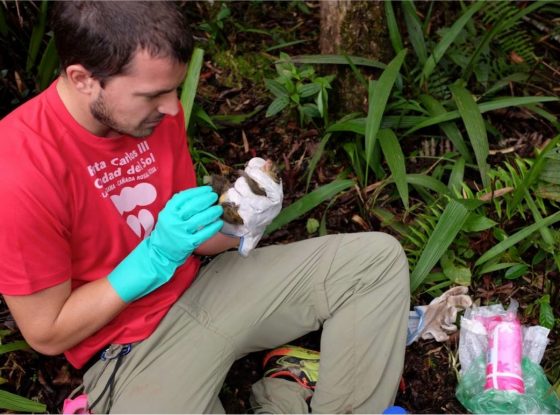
<point>169,105</point>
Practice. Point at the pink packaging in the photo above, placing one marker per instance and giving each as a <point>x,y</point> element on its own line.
<point>503,360</point>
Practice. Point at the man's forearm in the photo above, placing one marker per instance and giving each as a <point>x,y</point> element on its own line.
<point>55,319</point>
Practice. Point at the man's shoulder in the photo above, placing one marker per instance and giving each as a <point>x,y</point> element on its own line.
<point>32,124</point>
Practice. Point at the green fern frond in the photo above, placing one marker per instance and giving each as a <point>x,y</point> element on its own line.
<point>496,11</point>
<point>518,41</point>
<point>513,38</point>
<point>420,230</point>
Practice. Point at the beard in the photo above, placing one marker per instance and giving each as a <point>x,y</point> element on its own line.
<point>100,111</point>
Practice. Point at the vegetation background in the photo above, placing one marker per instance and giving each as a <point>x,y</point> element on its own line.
<point>452,147</point>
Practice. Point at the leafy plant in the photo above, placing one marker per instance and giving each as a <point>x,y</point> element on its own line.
<point>215,25</point>
<point>195,114</point>
<point>300,89</point>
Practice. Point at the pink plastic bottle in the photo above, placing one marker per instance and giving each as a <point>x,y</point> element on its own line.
<point>503,361</point>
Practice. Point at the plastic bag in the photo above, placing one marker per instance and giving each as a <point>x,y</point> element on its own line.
<point>479,390</point>
<point>539,397</point>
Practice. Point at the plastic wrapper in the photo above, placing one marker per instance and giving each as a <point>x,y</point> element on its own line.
<point>493,351</point>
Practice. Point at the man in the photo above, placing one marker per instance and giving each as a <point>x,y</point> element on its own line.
<point>87,167</point>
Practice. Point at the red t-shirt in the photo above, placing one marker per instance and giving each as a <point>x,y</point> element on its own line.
<point>73,205</point>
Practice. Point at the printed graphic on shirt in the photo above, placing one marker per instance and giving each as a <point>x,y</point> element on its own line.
<point>123,180</point>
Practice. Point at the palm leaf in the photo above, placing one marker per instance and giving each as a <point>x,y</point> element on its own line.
<point>532,175</point>
<point>428,182</point>
<point>48,65</point>
<point>448,39</point>
<point>37,37</point>
<point>308,202</point>
<point>447,228</point>
<point>497,103</point>
<point>14,346</point>
<point>393,27</point>
<point>190,85</point>
<point>378,95</point>
<point>476,130</point>
<point>415,33</point>
<point>18,403</point>
<point>517,237</point>
<point>449,128</point>
<point>337,60</point>
<point>394,157</point>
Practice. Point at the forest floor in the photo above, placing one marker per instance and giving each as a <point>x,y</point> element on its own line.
<point>429,379</point>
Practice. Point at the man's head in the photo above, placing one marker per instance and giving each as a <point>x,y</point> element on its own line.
<point>124,59</point>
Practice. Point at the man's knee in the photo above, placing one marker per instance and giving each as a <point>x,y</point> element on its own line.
<point>387,256</point>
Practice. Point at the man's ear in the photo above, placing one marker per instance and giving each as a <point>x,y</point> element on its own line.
<point>80,78</point>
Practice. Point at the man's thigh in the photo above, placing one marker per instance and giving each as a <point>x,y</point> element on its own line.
<point>273,296</point>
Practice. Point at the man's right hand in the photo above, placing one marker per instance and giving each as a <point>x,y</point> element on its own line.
<point>186,221</point>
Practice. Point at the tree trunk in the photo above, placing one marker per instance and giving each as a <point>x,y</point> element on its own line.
<point>355,28</point>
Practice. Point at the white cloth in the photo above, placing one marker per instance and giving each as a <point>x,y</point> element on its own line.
<point>256,211</point>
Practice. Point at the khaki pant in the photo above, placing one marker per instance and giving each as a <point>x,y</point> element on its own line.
<point>355,285</point>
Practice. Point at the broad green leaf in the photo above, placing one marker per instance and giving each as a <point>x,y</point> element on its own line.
<point>458,274</point>
<point>277,105</point>
<point>337,60</point>
<point>393,27</point>
<point>18,403</point>
<point>457,174</point>
<point>497,103</point>
<point>428,182</point>
<point>546,234</point>
<point>202,115</point>
<point>546,313</point>
<point>448,39</point>
<point>47,66</point>
<point>490,267</point>
<point>532,175</point>
<point>190,84</point>
<point>358,125</point>
<point>415,33</point>
<point>388,220</point>
<point>37,37</point>
<point>378,95</point>
<point>476,130</point>
<point>308,202</point>
<point>450,129</point>
<point>394,157</point>
<point>14,346</point>
<point>447,228</point>
<point>517,237</point>
<point>308,90</point>
<point>516,271</point>
<point>277,89</point>
<point>478,223</point>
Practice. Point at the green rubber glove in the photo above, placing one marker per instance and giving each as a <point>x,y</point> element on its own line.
<point>186,221</point>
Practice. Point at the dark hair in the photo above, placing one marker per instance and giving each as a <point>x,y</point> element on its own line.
<point>104,35</point>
